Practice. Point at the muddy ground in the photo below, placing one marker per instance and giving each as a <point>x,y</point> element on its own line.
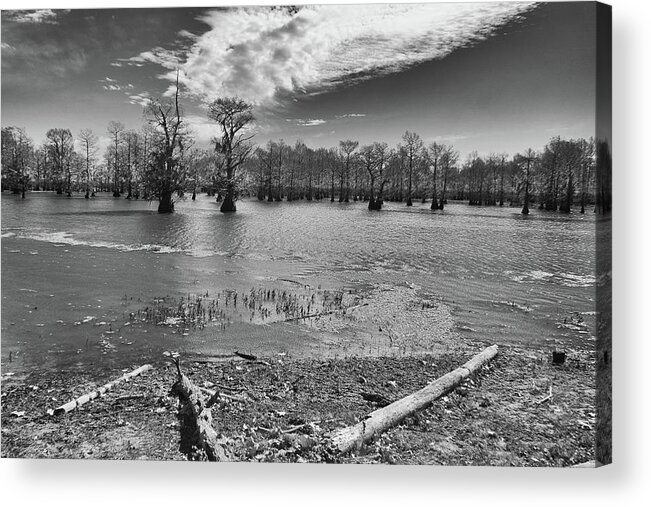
<point>519,410</point>
<point>283,411</point>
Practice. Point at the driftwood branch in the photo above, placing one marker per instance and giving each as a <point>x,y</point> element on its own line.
<point>197,410</point>
<point>387,417</point>
<point>214,396</point>
<point>71,405</point>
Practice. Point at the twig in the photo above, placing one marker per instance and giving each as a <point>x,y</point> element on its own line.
<point>546,398</point>
<point>295,428</point>
<point>216,395</point>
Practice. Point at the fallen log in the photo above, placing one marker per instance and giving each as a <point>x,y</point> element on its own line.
<point>71,405</point>
<point>352,437</point>
<point>197,412</point>
<point>248,357</point>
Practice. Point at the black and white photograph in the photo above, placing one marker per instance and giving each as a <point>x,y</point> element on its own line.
<point>370,234</point>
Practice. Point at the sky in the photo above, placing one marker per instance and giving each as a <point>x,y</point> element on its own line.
<point>495,77</point>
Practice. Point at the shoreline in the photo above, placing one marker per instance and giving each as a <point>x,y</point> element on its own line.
<point>496,418</point>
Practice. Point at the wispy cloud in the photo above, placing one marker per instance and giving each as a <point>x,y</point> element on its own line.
<point>256,53</point>
<point>351,115</point>
<point>160,56</point>
<point>310,122</point>
<point>114,86</point>
<point>138,99</point>
<point>36,16</point>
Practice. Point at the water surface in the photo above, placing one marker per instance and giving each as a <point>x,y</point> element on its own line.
<point>69,264</point>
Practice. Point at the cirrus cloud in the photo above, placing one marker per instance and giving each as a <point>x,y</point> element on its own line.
<point>260,53</point>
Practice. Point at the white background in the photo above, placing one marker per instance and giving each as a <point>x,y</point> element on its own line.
<point>626,482</point>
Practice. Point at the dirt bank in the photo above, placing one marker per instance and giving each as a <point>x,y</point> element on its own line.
<point>283,411</point>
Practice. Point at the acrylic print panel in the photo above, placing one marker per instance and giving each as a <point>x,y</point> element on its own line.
<point>343,234</point>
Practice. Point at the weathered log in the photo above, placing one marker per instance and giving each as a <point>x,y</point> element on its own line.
<point>71,405</point>
<point>195,403</point>
<point>352,437</point>
<point>248,357</point>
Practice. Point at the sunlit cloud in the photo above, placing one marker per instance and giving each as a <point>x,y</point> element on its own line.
<point>255,53</point>
<point>36,16</point>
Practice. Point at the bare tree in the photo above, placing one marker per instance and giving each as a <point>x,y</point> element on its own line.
<point>17,154</point>
<point>233,116</point>
<point>89,147</point>
<point>502,157</point>
<point>115,129</point>
<point>166,171</point>
<point>449,158</point>
<point>374,158</point>
<point>60,145</point>
<point>413,146</point>
<point>435,153</point>
<point>527,160</point>
<point>347,148</point>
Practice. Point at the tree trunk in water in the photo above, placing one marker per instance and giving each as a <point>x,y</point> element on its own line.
<point>165,204</point>
<point>228,206</point>
<point>375,203</point>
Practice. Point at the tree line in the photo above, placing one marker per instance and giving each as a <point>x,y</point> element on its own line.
<point>160,162</point>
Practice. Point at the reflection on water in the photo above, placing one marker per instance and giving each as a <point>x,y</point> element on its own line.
<point>475,258</point>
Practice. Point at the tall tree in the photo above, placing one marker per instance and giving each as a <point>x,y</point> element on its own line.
<point>435,153</point>
<point>502,161</point>
<point>233,116</point>
<point>17,155</point>
<point>526,161</point>
<point>413,146</point>
<point>587,169</point>
<point>166,172</point>
<point>346,148</point>
<point>374,157</point>
<point>115,129</point>
<point>60,146</point>
<point>449,158</point>
<point>88,142</point>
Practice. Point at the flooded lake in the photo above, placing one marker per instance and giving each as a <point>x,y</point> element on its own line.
<point>74,272</point>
